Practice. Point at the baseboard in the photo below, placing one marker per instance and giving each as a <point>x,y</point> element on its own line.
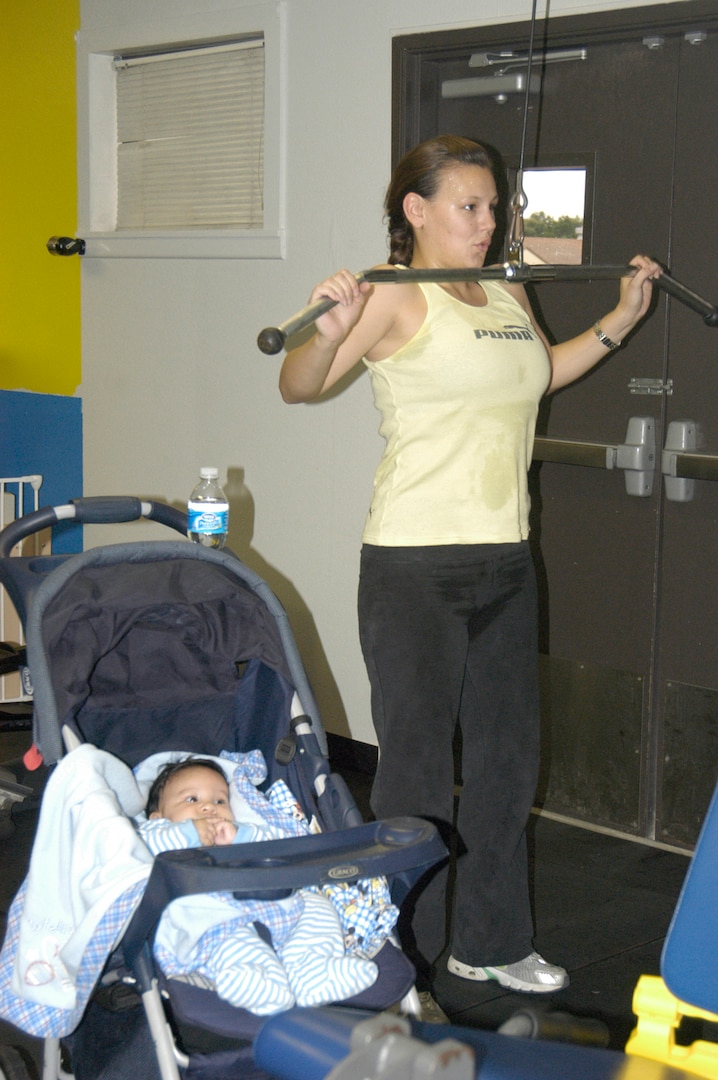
<point>350,754</point>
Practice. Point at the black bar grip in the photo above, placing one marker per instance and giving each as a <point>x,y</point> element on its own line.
<point>107,509</point>
<point>688,297</point>
<point>114,509</point>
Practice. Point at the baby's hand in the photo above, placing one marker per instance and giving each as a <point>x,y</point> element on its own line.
<point>224,832</point>
<point>213,831</point>
<point>206,830</point>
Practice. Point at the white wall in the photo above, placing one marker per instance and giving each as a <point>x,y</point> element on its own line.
<point>173,378</point>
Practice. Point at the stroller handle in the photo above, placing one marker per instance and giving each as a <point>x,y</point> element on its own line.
<point>98,510</point>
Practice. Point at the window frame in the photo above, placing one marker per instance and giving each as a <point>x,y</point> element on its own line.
<point>585,161</point>
<point>97,145</point>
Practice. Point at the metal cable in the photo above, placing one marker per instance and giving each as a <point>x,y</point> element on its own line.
<point>518,199</point>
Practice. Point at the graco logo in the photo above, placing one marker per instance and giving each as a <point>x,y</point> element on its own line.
<point>339,872</point>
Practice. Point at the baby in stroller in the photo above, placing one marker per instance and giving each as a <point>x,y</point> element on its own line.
<point>306,962</point>
<point>149,649</point>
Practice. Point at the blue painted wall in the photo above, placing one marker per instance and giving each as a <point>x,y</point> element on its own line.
<point>42,433</point>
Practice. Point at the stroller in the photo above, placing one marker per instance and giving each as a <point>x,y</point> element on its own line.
<point>166,646</point>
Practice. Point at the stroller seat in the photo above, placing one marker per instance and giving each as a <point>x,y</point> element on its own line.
<point>88,875</point>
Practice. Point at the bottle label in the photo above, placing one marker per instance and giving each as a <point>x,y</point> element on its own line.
<point>207,518</point>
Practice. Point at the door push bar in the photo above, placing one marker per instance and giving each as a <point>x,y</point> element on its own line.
<point>272,339</point>
<point>680,466</point>
<point>637,457</point>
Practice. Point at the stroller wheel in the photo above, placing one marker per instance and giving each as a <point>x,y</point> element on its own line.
<point>12,1065</point>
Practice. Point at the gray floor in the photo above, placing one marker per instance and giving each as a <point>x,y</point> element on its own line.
<point>602,908</point>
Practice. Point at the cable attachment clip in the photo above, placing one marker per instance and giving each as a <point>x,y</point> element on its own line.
<point>518,204</point>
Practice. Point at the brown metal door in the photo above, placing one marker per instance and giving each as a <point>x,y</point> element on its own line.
<point>629,582</point>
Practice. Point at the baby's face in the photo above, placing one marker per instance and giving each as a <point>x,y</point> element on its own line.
<point>196,792</point>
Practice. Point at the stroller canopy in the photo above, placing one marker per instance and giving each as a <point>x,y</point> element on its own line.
<point>138,646</point>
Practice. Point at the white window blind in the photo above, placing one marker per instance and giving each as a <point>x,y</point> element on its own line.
<point>190,138</point>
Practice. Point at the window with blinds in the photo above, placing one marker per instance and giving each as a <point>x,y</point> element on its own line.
<point>190,138</point>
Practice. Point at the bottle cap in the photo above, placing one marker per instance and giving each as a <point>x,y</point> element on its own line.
<point>208,472</point>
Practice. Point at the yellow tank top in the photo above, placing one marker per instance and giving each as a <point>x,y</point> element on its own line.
<point>458,406</point>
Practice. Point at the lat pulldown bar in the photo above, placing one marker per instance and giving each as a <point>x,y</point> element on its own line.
<point>272,339</point>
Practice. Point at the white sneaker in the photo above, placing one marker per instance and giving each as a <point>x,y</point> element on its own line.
<point>532,975</point>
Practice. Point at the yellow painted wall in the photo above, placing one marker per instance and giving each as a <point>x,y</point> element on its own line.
<point>39,293</point>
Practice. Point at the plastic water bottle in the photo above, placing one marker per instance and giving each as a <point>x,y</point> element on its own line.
<point>208,511</point>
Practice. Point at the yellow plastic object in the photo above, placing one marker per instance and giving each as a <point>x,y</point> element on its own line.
<point>659,1016</point>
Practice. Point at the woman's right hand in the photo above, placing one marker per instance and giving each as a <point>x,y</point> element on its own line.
<point>313,367</point>
<point>350,296</point>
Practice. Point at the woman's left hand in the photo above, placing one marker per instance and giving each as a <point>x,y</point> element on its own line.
<point>637,291</point>
<point>572,359</point>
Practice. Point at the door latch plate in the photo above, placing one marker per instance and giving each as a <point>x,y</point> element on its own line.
<point>650,386</point>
